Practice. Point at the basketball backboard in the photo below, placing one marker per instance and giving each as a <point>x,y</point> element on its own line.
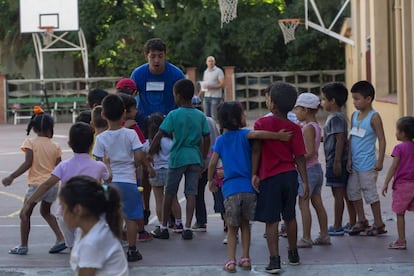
<point>35,15</point>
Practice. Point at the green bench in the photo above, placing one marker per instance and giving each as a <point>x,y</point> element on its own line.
<point>22,107</point>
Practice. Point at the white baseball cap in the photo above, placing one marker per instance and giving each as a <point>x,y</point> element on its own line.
<point>308,100</point>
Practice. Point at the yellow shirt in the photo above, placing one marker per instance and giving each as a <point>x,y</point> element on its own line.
<point>45,154</point>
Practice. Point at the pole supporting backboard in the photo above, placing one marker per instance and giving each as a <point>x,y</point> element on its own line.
<point>320,26</point>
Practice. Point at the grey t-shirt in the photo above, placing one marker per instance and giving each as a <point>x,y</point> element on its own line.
<point>335,123</point>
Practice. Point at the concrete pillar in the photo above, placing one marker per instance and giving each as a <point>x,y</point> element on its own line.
<point>229,86</point>
<point>191,74</point>
<point>3,107</point>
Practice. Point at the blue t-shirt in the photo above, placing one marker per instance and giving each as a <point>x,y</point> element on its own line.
<point>235,152</point>
<point>188,125</point>
<point>155,91</point>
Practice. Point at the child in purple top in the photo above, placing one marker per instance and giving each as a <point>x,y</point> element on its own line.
<point>402,169</point>
<point>81,141</point>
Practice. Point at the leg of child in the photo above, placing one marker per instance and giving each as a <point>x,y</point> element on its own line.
<point>25,227</point>
<point>132,229</point>
<point>166,208</point>
<point>376,212</point>
<point>351,211</point>
<point>189,209</point>
<point>292,232</point>
<point>176,209</point>
<point>245,238</point>
<point>272,238</point>
<point>232,241</point>
<point>317,204</point>
<point>146,194</point>
<point>159,197</point>
<point>339,194</point>
<point>401,227</point>
<point>68,233</point>
<point>359,208</point>
<point>200,206</point>
<point>51,220</point>
<point>306,218</point>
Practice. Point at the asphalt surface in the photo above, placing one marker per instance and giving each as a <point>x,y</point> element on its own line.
<point>205,254</point>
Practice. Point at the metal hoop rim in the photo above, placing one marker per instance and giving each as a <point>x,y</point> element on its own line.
<point>291,20</point>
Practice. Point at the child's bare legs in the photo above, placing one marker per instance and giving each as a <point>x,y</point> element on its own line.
<point>272,237</point>
<point>401,227</point>
<point>189,210</point>
<point>132,228</point>
<point>159,197</point>
<point>376,212</point>
<point>351,211</point>
<point>245,238</point>
<point>292,232</point>
<point>339,194</point>
<point>50,219</point>
<point>321,214</point>
<point>306,218</point>
<point>176,208</point>
<point>232,241</point>
<point>359,208</point>
<point>166,208</point>
<point>25,227</point>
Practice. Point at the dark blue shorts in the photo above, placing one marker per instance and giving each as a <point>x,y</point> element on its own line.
<point>277,197</point>
<point>336,181</point>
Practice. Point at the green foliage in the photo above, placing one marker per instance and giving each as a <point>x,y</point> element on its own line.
<point>116,31</point>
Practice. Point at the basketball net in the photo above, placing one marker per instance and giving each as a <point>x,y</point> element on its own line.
<point>228,9</point>
<point>288,27</point>
<point>47,35</point>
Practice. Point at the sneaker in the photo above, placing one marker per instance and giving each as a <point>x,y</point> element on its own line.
<point>347,228</point>
<point>335,232</point>
<point>293,256</point>
<point>187,234</point>
<point>147,214</point>
<point>133,255</point>
<point>178,228</point>
<point>160,234</point>
<point>199,227</point>
<point>274,265</point>
<point>398,245</point>
<point>145,236</point>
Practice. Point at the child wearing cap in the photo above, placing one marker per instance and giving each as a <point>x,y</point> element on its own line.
<point>126,86</point>
<point>306,107</point>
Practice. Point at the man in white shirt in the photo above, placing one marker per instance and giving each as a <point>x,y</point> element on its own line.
<point>211,87</point>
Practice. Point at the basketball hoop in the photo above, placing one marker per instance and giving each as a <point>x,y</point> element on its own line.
<point>46,34</point>
<point>228,9</point>
<point>288,27</point>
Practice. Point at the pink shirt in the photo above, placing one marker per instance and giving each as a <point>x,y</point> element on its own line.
<point>45,155</point>
<point>405,169</point>
<point>315,158</point>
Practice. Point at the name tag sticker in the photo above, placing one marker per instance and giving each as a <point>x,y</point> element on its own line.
<point>357,131</point>
<point>155,86</point>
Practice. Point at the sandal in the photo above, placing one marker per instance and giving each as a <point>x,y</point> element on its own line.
<point>19,250</point>
<point>359,227</point>
<point>322,241</point>
<point>375,231</point>
<point>230,266</point>
<point>398,245</point>
<point>59,246</point>
<point>245,263</point>
<point>304,243</point>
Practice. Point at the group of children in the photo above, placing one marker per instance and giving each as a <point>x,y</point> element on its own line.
<point>264,169</point>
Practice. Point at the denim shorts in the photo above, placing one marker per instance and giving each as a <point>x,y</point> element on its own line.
<point>315,180</point>
<point>277,196</point>
<point>191,174</point>
<point>336,181</point>
<point>49,197</point>
<point>131,200</point>
<point>240,206</point>
<point>160,178</point>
